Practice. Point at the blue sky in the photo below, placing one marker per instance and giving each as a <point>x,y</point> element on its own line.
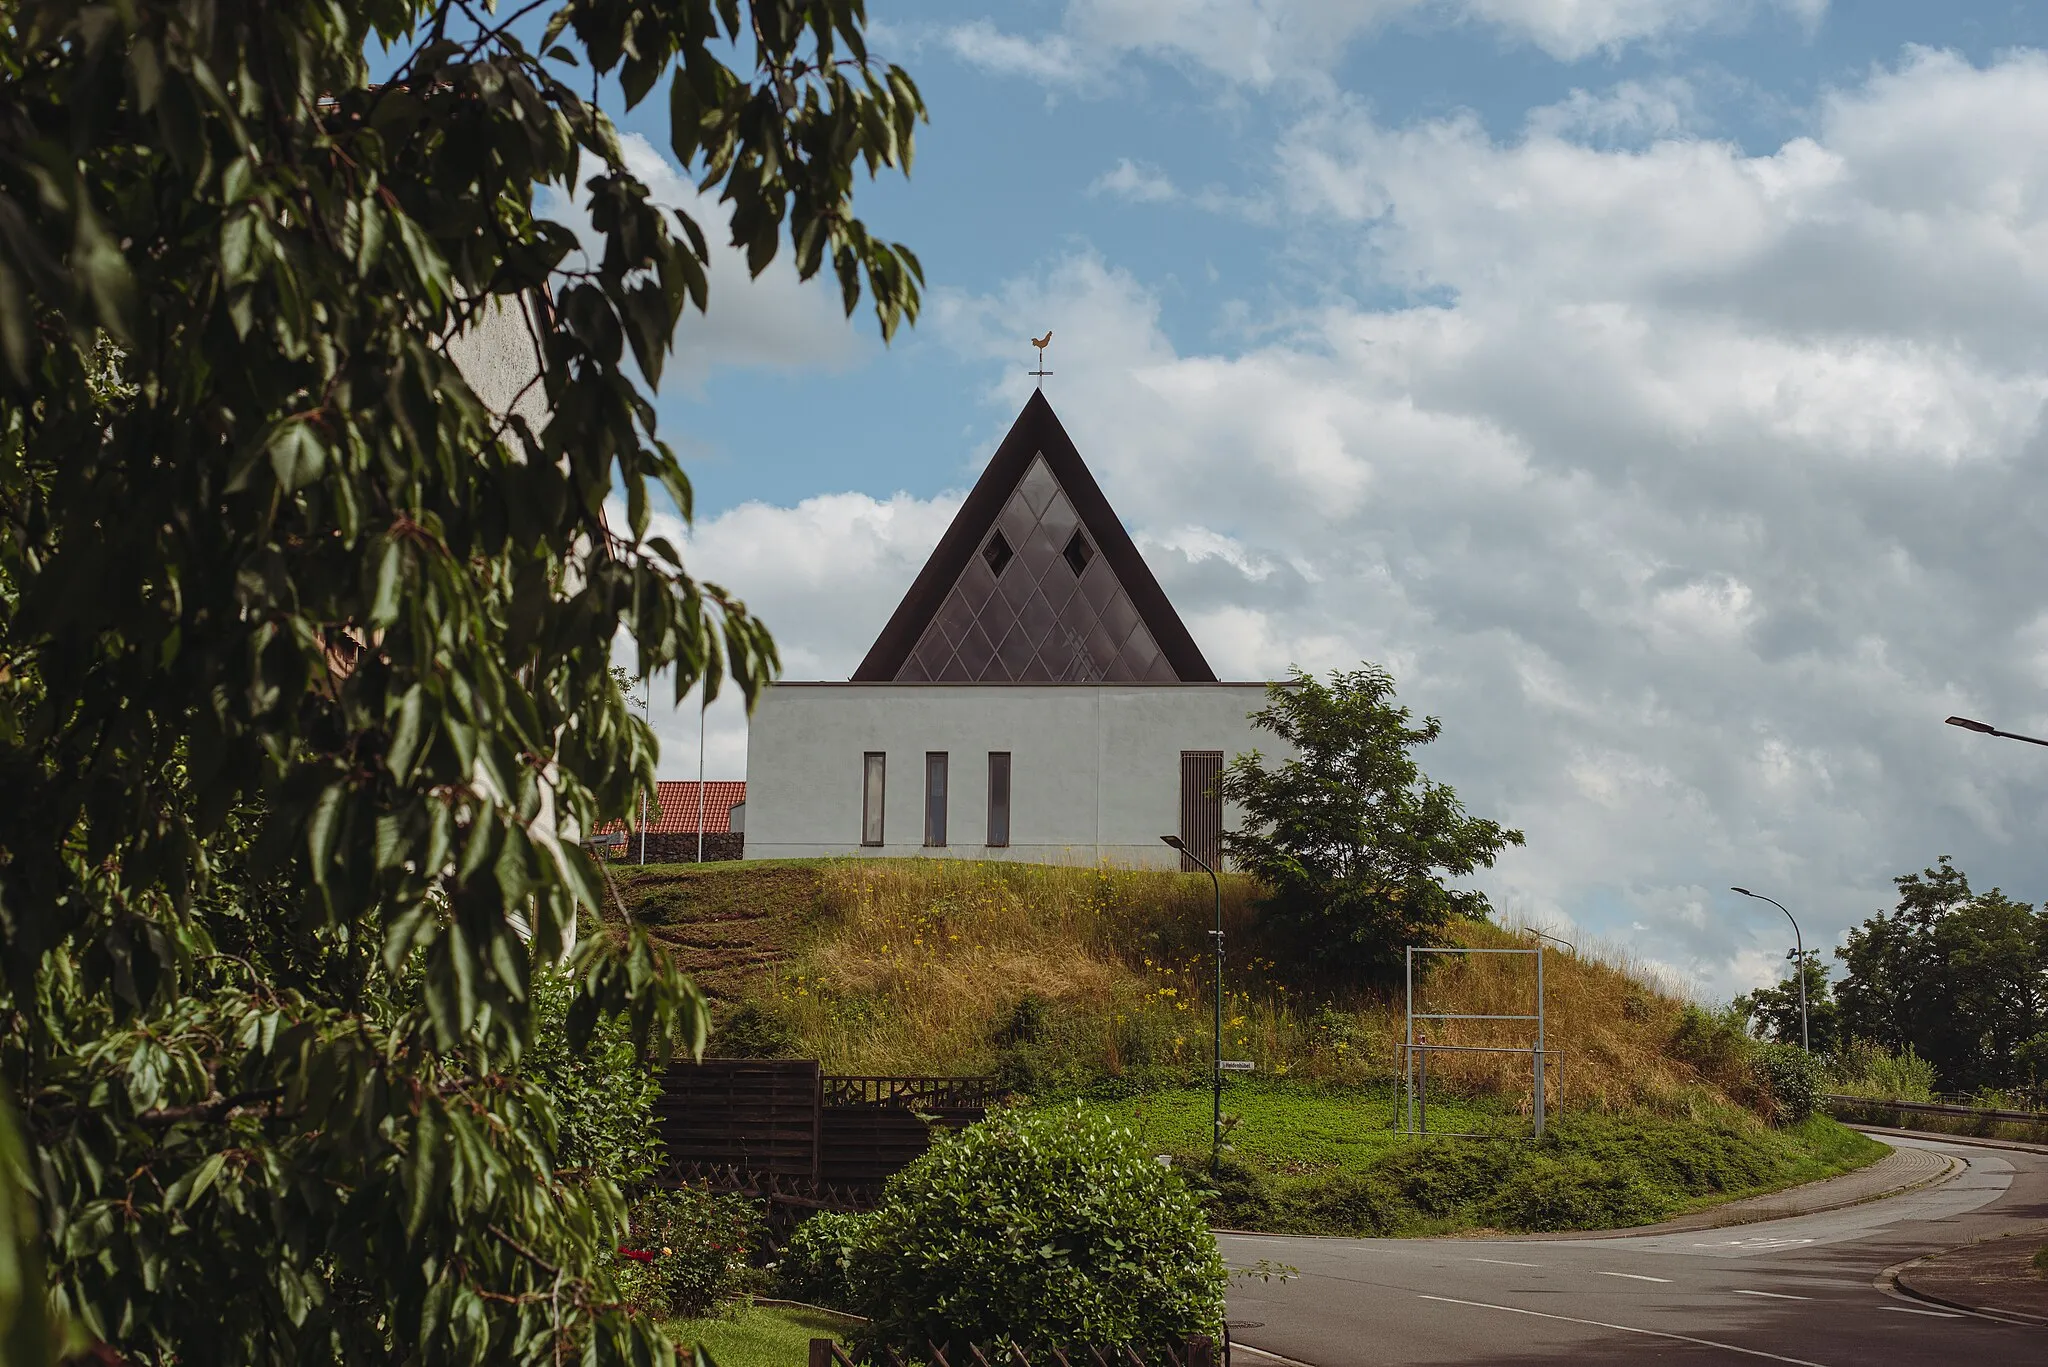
<point>1654,385</point>
<point>1004,179</point>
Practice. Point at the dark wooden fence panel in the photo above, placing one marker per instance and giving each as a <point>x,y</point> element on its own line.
<point>760,1115</point>
<point>729,1122</point>
<point>864,1146</point>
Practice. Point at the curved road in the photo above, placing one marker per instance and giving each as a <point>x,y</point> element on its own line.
<point>1800,1290</point>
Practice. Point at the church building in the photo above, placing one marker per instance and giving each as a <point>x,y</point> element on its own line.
<point>1034,697</point>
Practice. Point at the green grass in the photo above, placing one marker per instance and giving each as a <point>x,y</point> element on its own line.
<point>1296,1130</point>
<point>1322,1161</point>
<point>760,1335</point>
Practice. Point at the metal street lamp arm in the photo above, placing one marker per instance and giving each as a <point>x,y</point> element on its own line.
<point>1987,729</point>
<point>1799,949</point>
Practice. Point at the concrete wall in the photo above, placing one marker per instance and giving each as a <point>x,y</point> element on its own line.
<point>1095,768</point>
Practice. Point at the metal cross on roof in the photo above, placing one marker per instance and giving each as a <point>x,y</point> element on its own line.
<point>1041,343</point>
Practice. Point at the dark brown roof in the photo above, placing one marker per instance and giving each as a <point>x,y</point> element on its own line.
<point>1011,594</point>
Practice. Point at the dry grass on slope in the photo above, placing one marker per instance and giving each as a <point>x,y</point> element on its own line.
<point>947,966</point>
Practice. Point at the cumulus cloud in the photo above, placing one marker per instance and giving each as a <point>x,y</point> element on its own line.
<point>1139,184</point>
<point>773,320</point>
<point>1257,43</point>
<point>1693,489</point>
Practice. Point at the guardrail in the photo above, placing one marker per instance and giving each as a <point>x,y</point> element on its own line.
<point>1939,1108</point>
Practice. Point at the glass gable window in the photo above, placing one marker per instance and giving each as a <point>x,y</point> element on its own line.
<point>873,767</point>
<point>935,798</point>
<point>999,797</point>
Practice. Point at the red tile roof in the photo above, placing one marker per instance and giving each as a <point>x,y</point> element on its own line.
<point>680,807</point>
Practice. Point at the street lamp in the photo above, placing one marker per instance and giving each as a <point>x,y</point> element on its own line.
<point>1799,952</point>
<point>1216,1058</point>
<point>1986,728</point>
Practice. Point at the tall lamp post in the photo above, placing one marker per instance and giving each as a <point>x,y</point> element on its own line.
<point>1216,1056</point>
<point>1799,957</point>
<point>647,719</point>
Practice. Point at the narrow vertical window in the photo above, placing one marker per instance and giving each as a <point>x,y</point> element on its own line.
<point>999,797</point>
<point>935,798</point>
<point>1201,808</point>
<point>873,767</point>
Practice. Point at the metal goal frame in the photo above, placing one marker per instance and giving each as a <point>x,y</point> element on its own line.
<point>1415,1051</point>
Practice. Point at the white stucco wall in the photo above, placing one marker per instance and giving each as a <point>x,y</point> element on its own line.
<point>1095,768</point>
<point>498,356</point>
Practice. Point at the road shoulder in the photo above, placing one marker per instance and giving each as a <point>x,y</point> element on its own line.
<point>1991,1277</point>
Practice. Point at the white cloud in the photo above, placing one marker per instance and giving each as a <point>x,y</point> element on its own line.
<point>773,320</point>
<point>1696,490</point>
<point>1051,60</point>
<point>1258,43</point>
<point>1139,184</point>
<point>1631,112</point>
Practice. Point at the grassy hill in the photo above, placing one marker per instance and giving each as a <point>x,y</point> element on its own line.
<point>949,966</point>
<point>1092,984</point>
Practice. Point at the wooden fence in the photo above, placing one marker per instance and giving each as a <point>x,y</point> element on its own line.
<point>760,1115</point>
<point>782,1130</point>
<point>1196,1351</point>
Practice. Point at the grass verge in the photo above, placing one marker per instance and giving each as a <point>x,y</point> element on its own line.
<point>760,1335</point>
<point>1309,1161</point>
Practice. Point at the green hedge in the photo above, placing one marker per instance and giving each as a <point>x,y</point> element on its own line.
<point>1052,1227</point>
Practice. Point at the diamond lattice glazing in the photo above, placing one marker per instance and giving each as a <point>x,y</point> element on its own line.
<point>1037,621</point>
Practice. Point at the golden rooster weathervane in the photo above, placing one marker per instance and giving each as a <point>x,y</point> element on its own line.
<point>1042,343</point>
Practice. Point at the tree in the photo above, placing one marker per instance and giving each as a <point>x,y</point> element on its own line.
<point>1773,1012</point>
<point>1350,839</point>
<point>304,698</point>
<point>1958,976</point>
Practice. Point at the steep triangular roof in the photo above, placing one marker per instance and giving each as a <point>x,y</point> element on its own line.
<point>1036,581</point>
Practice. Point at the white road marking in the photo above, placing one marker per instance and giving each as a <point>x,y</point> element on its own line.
<point>1775,1295</point>
<point>1756,1241</point>
<point>1627,1329</point>
<point>1236,1347</point>
<point>1502,1262</point>
<point>1634,1277</point>
<point>1909,1310</point>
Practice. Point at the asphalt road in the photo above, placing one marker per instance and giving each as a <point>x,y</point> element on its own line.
<point>1800,1290</point>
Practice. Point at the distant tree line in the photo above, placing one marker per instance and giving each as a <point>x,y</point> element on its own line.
<point>1958,977</point>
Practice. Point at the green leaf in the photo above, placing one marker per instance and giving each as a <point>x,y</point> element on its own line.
<point>297,455</point>
<point>384,593</point>
<point>103,273</point>
<point>204,1178</point>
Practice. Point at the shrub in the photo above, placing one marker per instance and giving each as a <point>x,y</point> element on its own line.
<point>817,1264</point>
<point>754,1031</point>
<point>1865,1069</point>
<point>1717,1045</point>
<point>698,1244</point>
<point>1572,1191</point>
<point>1793,1077</point>
<point>1053,1227</point>
<point>603,1097</point>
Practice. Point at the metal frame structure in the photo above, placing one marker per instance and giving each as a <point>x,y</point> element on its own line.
<point>1415,1053</point>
